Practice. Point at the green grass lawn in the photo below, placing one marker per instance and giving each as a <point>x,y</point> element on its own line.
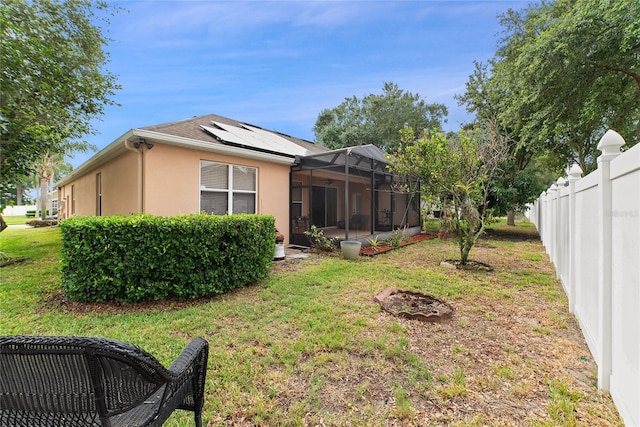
<point>16,220</point>
<point>309,346</point>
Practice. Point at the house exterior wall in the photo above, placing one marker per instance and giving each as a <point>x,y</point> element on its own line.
<point>171,179</point>
<point>171,184</point>
<point>119,189</point>
<point>119,186</point>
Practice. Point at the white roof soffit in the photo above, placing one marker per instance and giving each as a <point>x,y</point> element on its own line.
<point>256,138</point>
<point>110,151</point>
<point>117,147</point>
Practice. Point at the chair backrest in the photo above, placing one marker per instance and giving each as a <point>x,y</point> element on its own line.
<point>82,378</point>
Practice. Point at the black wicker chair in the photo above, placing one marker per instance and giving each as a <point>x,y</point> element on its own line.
<point>84,381</point>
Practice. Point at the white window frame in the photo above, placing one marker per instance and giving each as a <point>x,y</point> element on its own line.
<point>230,191</point>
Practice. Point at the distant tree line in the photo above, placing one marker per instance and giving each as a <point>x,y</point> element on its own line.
<point>563,73</point>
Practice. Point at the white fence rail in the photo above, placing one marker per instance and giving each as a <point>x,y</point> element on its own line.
<point>18,210</point>
<point>590,228</point>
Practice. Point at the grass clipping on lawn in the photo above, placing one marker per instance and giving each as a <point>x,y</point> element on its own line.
<point>309,346</point>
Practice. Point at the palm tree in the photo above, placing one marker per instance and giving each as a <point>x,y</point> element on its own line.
<point>46,169</point>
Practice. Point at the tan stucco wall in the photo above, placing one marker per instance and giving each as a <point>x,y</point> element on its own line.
<point>120,185</point>
<point>171,179</point>
<point>119,189</point>
<point>172,182</point>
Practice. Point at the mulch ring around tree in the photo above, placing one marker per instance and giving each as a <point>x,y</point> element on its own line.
<point>414,305</point>
<point>383,247</point>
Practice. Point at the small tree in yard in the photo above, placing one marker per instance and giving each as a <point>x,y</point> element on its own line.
<point>459,168</point>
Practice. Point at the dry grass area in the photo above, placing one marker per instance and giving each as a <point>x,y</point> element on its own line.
<point>308,346</point>
<point>511,356</point>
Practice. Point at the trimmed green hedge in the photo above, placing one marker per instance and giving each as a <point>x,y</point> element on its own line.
<point>141,257</point>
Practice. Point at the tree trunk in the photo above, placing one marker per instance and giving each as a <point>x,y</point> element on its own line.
<point>42,203</point>
<point>3,224</point>
<point>511,218</point>
<point>466,243</point>
<point>19,191</point>
<point>464,254</point>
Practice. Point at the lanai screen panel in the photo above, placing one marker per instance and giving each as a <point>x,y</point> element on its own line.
<point>370,199</point>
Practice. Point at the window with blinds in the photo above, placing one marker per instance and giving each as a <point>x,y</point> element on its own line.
<point>227,189</point>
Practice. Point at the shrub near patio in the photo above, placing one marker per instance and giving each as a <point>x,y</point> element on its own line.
<point>141,257</point>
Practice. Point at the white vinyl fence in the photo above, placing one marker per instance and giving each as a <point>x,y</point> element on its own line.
<point>18,210</point>
<point>590,228</point>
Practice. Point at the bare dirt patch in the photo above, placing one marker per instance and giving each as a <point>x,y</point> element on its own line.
<point>59,302</point>
<point>470,265</point>
<point>510,345</point>
<point>417,306</point>
<point>511,355</point>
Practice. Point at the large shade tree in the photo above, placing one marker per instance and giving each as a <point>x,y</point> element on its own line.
<point>570,69</point>
<point>377,119</point>
<point>520,181</point>
<point>53,79</point>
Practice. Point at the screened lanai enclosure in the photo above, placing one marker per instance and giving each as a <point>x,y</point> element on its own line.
<point>350,194</point>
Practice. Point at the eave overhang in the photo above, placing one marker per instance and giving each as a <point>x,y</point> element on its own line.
<point>117,147</point>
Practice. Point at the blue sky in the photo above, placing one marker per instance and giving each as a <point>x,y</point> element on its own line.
<point>279,64</point>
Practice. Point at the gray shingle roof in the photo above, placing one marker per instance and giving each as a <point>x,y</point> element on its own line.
<point>192,128</point>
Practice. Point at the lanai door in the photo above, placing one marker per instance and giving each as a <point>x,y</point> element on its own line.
<point>325,206</point>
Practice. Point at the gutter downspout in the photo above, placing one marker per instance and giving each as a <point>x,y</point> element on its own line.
<point>139,152</point>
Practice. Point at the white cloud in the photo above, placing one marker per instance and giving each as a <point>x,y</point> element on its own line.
<point>278,64</point>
